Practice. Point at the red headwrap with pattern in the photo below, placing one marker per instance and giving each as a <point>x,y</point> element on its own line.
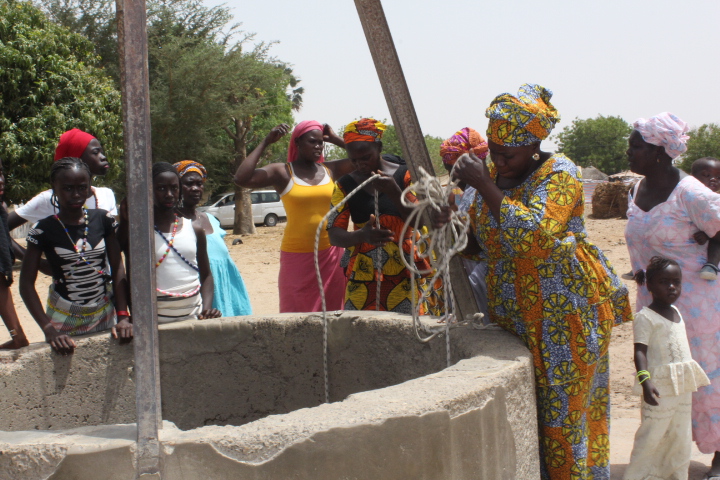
<point>464,141</point>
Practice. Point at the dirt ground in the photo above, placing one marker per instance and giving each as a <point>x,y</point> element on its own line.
<point>258,256</point>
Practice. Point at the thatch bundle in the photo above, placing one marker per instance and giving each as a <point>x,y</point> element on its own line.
<point>610,200</point>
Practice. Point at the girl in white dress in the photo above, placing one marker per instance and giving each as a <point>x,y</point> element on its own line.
<point>667,376</point>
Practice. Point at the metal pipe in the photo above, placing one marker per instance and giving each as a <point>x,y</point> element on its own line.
<point>132,39</point>
<point>407,126</point>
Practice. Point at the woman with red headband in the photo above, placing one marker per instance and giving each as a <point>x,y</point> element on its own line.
<point>305,185</point>
<point>78,144</point>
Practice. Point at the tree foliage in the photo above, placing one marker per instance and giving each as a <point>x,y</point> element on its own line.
<point>600,142</point>
<point>49,83</point>
<point>704,142</point>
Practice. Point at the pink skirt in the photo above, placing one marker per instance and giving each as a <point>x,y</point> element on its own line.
<point>298,284</point>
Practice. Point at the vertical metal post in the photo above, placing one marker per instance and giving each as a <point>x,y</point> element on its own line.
<point>132,38</point>
<point>406,123</point>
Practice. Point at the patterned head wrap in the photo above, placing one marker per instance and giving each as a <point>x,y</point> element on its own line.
<point>364,130</point>
<point>464,141</point>
<point>72,144</point>
<point>664,130</point>
<point>301,129</point>
<point>186,166</point>
<point>522,120</point>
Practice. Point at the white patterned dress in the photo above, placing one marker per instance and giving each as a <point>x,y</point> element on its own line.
<point>667,230</point>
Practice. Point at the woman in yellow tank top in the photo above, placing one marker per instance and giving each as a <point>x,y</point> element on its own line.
<point>305,185</point>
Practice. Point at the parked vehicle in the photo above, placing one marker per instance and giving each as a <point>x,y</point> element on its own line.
<point>267,208</point>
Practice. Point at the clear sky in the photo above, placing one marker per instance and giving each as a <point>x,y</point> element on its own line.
<point>633,58</point>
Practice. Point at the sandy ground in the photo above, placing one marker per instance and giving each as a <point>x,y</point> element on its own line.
<point>258,257</point>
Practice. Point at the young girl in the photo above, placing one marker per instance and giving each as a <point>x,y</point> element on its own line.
<point>182,269</point>
<point>7,308</point>
<point>667,375</point>
<point>76,242</point>
<point>229,295</point>
<point>707,170</point>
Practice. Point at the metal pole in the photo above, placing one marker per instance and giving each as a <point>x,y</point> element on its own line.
<point>406,123</point>
<point>132,39</point>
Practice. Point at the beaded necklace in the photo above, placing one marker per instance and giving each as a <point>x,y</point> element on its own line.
<point>97,204</point>
<point>170,246</point>
<point>78,250</point>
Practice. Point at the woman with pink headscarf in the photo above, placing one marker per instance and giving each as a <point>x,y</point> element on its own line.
<point>665,210</point>
<point>305,184</point>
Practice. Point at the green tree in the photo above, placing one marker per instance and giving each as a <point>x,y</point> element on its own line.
<point>49,83</point>
<point>600,142</point>
<point>704,142</point>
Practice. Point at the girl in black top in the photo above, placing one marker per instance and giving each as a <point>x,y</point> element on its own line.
<point>77,243</point>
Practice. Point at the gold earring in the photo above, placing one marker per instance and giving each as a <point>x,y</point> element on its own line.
<point>536,157</point>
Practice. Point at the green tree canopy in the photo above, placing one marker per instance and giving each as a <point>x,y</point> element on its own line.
<point>600,142</point>
<point>704,142</point>
<point>49,83</point>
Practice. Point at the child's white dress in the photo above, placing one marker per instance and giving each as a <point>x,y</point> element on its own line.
<point>663,442</point>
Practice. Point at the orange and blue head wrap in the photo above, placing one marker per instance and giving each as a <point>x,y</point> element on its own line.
<point>522,120</point>
<point>364,130</point>
<point>464,141</point>
<point>186,166</point>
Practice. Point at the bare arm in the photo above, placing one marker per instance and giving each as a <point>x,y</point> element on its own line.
<point>60,343</point>
<point>207,285</point>
<point>274,175</point>
<point>650,393</point>
<point>124,329</point>
<point>15,220</point>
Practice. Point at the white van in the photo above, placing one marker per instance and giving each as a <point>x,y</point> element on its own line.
<point>267,208</point>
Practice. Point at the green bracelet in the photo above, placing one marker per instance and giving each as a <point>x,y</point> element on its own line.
<point>645,373</point>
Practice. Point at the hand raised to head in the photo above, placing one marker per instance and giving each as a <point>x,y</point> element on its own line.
<point>277,133</point>
<point>471,170</point>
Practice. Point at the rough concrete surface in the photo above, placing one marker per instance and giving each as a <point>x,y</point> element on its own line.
<point>242,399</point>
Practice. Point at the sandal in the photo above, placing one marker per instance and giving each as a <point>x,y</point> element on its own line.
<point>709,272</point>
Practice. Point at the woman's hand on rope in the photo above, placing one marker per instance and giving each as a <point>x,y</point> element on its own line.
<point>441,216</point>
<point>386,184</point>
<point>377,237</point>
<point>123,330</point>
<point>472,171</point>
<point>277,133</point>
<point>210,313</point>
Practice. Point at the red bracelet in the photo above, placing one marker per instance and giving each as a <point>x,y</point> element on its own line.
<point>122,313</point>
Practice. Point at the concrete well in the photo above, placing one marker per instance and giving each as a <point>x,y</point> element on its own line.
<point>242,398</point>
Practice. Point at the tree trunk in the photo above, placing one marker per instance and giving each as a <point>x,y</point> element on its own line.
<point>244,224</point>
<point>243,212</point>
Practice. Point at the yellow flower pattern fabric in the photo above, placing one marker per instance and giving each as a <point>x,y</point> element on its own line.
<point>557,292</point>
<point>360,261</point>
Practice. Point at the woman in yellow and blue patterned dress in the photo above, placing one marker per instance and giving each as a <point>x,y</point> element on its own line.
<point>546,283</point>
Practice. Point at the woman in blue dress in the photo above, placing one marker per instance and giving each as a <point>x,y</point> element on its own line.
<point>230,296</point>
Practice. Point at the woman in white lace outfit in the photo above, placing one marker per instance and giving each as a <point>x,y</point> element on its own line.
<point>667,376</point>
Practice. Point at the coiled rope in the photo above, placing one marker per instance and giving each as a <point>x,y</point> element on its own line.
<point>438,246</point>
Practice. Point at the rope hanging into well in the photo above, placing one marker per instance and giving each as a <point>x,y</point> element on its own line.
<point>319,276</point>
<point>438,246</point>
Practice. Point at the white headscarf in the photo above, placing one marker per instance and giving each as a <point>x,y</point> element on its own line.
<point>664,130</point>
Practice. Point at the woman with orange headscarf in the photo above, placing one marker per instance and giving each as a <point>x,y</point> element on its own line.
<point>373,254</point>
<point>305,185</point>
<point>546,282</point>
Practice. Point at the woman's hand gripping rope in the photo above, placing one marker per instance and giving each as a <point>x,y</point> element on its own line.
<point>437,245</point>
